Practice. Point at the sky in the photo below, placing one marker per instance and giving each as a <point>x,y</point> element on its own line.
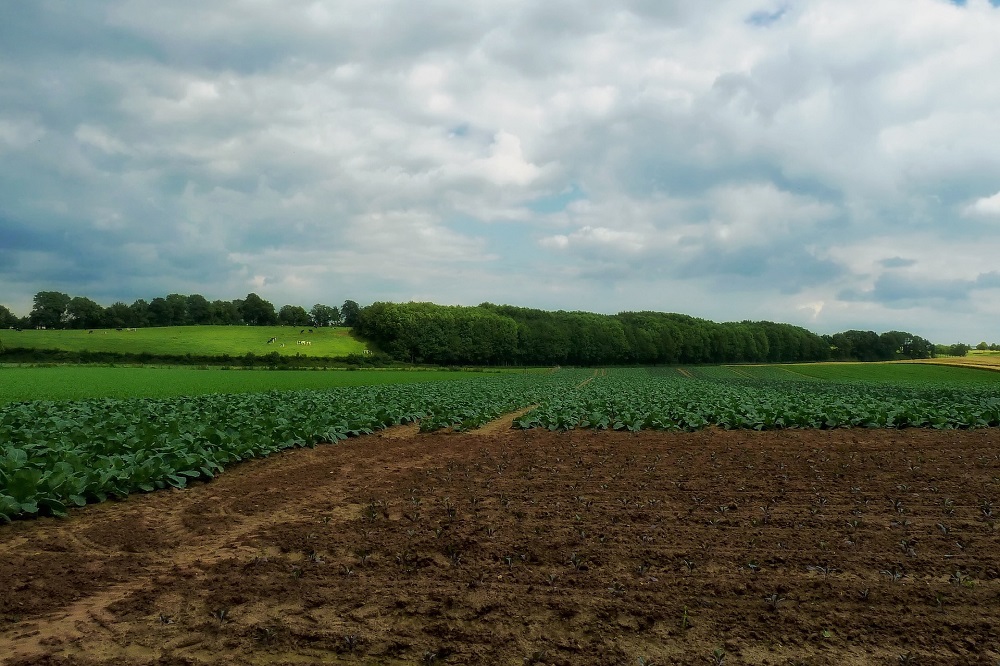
<point>828,163</point>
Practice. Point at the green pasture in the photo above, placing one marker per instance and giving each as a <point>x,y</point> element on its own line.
<point>75,382</point>
<point>194,340</point>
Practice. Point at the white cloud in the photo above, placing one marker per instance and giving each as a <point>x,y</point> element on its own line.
<point>984,207</point>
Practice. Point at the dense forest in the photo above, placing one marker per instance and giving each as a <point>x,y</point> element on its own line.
<point>502,334</point>
<point>490,334</point>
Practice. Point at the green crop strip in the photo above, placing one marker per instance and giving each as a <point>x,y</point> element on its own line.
<point>75,382</point>
<point>664,399</point>
<point>54,455</point>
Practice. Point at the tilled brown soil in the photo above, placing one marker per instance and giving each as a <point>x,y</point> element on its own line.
<point>791,547</point>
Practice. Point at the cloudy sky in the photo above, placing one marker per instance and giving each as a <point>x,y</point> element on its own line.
<point>830,163</point>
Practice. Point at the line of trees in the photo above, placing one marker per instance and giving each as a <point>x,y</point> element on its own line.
<point>53,309</point>
<point>891,345</point>
<point>502,334</point>
<point>490,334</point>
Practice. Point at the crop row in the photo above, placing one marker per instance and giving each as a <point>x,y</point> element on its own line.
<point>670,400</point>
<point>53,455</point>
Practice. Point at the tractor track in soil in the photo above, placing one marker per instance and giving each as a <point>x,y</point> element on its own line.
<point>508,546</point>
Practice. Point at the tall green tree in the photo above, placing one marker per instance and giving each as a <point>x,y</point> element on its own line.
<point>349,312</point>
<point>293,315</point>
<point>159,312</point>
<point>7,318</point>
<point>118,315</point>
<point>257,312</point>
<point>81,312</point>
<point>199,310</point>
<point>49,309</point>
<point>324,315</point>
<point>226,312</point>
<point>177,306</point>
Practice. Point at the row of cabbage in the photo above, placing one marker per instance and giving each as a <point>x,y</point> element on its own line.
<point>59,454</point>
<point>670,400</point>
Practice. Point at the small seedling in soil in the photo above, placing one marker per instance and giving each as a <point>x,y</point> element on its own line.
<point>351,642</point>
<point>773,600</point>
<point>264,634</point>
<point>863,594</point>
<point>685,619</point>
<point>960,578</point>
<point>577,561</point>
<point>166,619</point>
<point>644,661</point>
<point>222,615</point>
<point>894,574</point>
<point>717,657</point>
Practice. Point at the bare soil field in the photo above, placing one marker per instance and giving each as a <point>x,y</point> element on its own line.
<point>509,547</point>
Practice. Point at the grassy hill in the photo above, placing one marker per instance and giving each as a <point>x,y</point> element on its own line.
<point>194,340</point>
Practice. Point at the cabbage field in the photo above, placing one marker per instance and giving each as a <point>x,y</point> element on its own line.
<point>768,397</point>
<point>54,455</point>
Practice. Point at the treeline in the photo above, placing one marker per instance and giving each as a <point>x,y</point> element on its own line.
<point>53,309</point>
<point>889,346</point>
<point>502,334</point>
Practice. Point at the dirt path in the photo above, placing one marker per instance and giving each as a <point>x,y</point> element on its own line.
<point>513,547</point>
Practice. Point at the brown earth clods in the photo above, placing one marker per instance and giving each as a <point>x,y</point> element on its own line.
<point>788,547</point>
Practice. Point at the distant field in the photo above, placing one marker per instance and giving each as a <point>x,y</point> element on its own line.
<point>895,372</point>
<point>78,382</point>
<point>892,372</point>
<point>989,360</point>
<point>194,340</point>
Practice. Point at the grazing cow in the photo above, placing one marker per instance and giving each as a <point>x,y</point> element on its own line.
<point>89,331</point>
<point>310,330</point>
<point>302,331</point>
<point>272,340</point>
